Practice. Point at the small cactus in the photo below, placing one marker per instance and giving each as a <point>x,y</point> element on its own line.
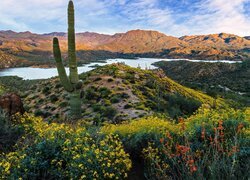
<point>71,83</point>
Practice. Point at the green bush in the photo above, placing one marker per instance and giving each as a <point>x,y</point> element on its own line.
<point>109,112</point>
<point>58,151</point>
<point>91,93</point>
<point>38,112</point>
<point>46,90</point>
<point>128,106</point>
<point>105,92</point>
<point>179,105</point>
<point>105,111</point>
<point>136,134</point>
<point>53,98</point>
<point>214,144</point>
<point>191,148</point>
<point>63,104</point>
<point>98,108</point>
<point>9,133</point>
<point>115,99</point>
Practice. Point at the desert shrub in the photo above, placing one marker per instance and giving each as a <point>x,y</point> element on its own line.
<point>97,79</point>
<point>106,102</point>
<point>209,146</point>
<point>9,132</point>
<point>105,92</point>
<point>136,134</point>
<point>46,90</point>
<point>130,76</point>
<point>58,85</point>
<point>128,106</point>
<point>140,106</point>
<point>115,99</point>
<point>53,98</point>
<point>180,105</point>
<point>40,101</point>
<point>91,93</point>
<point>124,95</point>
<point>105,112</point>
<point>98,107</point>
<point>63,104</point>
<point>38,112</point>
<point>109,112</point>
<point>110,79</point>
<point>59,151</point>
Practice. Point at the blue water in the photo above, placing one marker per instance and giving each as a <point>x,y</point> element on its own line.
<point>45,73</point>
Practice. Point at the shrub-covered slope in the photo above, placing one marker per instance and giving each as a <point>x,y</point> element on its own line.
<point>117,92</point>
<point>231,81</point>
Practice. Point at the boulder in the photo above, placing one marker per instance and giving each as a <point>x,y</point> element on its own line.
<point>11,103</point>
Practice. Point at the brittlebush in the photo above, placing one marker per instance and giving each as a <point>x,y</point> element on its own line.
<point>60,151</point>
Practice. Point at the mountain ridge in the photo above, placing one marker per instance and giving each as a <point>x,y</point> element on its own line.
<point>144,43</point>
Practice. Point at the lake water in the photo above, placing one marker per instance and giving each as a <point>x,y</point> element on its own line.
<point>45,73</point>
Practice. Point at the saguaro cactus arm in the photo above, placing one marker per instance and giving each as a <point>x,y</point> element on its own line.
<point>60,68</point>
<point>71,44</point>
<point>71,83</point>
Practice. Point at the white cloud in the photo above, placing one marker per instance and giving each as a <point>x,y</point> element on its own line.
<point>216,16</point>
<point>110,16</point>
<point>22,15</point>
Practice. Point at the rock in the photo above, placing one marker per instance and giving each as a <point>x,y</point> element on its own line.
<point>11,103</point>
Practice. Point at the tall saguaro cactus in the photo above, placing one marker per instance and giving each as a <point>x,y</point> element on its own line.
<point>71,83</point>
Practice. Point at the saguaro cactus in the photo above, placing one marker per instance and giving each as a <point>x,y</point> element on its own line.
<point>71,83</point>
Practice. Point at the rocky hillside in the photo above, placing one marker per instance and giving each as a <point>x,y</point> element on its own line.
<point>138,41</point>
<point>113,93</point>
<point>38,47</point>
<point>221,40</point>
<point>8,60</point>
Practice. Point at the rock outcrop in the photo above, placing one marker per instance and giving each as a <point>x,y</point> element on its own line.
<point>11,103</point>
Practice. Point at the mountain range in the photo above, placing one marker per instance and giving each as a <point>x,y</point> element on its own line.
<point>26,48</point>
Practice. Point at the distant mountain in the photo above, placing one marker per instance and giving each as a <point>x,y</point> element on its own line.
<point>38,47</point>
<point>221,40</point>
<point>139,41</point>
<point>55,34</point>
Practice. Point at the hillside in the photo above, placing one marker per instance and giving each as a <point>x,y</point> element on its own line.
<point>222,40</point>
<point>113,93</point>
<point>37,48</point>
<point>139,42</point>
<point>130,117</point>
<point>227,80</point>
<point>185,120</point>
<point>8,60</point>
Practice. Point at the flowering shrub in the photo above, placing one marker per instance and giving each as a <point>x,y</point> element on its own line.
<point>59,151</point>
<point>136,134</point>
<point>210,149</point>
<point>143,125</point>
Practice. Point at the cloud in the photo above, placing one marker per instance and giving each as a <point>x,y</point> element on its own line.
<point>214,16</point>
<point>110,16</point>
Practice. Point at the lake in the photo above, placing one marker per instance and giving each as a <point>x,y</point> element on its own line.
<point>45,73</point>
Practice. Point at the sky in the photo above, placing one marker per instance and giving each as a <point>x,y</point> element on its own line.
<point>172,17</point>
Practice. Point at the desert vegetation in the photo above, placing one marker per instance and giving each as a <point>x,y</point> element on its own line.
<point>119,122</point>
